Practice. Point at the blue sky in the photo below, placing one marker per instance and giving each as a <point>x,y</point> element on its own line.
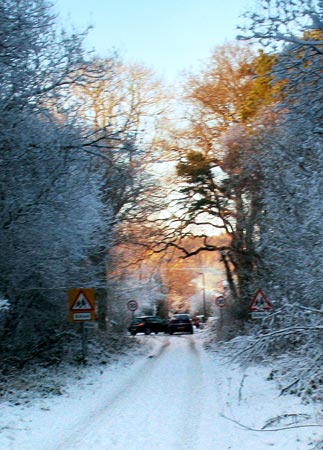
<point>166,35</point>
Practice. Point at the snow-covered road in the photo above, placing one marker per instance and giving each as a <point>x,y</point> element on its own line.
<point>159,408</point>
<point>179,397</point>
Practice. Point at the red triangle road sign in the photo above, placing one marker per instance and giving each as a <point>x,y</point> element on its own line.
<point>82,302</point>
<point>260,302</point>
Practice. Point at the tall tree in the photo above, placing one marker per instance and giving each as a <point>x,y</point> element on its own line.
<point>220,176</point>
<point>52,214</point>
<point>289,154</point>
<point>119,104</point>
<point>294,145</point>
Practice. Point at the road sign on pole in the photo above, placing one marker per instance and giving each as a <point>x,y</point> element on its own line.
<point>260,302</point>
<point>82,310</point>
<point>220,301</point>
<point>132,305</point>
<point>81,305</point>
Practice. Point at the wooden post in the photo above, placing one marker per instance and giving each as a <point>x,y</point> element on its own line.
<point>84,342</point>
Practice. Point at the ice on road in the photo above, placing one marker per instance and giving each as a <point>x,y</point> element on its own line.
<point>180,397</point>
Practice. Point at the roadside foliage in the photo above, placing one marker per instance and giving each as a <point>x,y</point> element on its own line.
<point>104,187</point>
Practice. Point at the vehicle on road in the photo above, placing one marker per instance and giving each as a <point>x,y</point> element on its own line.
<point>147,325</point>
<point>180,323</point>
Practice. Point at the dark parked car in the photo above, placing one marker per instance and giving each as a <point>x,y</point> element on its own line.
<point>147,325</point>
<point>180,322</point>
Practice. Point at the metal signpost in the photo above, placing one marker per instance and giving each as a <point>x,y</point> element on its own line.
<point>132,306</point>
<point>81,305</point>
<point>82,310</point>
<point>220,301</point>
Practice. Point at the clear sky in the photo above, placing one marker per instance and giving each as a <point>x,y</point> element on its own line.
<point>166,35</point>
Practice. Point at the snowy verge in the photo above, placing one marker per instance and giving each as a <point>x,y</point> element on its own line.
<point>239,407</point>
<point>72,393</point>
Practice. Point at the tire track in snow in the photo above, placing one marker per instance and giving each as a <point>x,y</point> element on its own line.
<point>159,406</point>
<point>191,419</point>
<point>112,399</point>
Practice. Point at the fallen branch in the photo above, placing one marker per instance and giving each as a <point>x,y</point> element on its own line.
<point>282,392</point>
<point>241,386</point>
<point>245,427</point>
<point>294,418</point>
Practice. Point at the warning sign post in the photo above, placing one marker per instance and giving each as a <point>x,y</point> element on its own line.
<point>260,305</point>
<point>82,309</point>
<point>81,305</point>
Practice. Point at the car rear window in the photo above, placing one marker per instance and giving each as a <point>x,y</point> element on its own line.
<point>185,317</point>
<point>153,319</point>
<point>137,320</point>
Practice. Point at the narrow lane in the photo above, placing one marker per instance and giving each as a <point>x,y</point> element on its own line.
<point>183,398</point>
<point>159,409</point>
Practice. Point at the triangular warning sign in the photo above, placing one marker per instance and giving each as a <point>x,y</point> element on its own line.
<point>260,302</point>
<point>81,303</point>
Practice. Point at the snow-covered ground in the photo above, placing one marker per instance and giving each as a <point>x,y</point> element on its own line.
<point>176,396</point>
